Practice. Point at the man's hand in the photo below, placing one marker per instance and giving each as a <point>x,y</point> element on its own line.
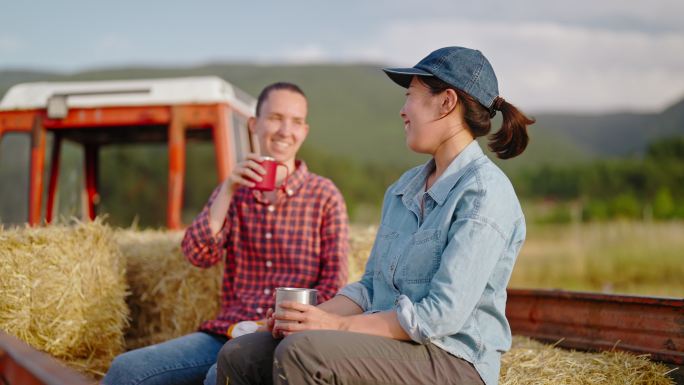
<point>244,173</point>
<point>269,325</point>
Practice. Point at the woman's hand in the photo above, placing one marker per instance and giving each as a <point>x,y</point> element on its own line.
<point>269,325</point>
<point>305,317</point>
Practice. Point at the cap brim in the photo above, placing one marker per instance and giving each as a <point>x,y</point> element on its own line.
<point>403,76</point>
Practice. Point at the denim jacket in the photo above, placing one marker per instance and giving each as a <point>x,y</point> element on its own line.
<point>444,267</point>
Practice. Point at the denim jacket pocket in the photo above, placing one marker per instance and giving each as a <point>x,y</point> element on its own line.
<point>383,244</point>
<point>422,257</point>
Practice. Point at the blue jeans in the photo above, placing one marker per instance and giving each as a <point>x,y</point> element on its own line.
<point>189,360</point>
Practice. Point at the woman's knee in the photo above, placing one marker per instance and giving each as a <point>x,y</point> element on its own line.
<point>247,359</point>
<point>303,349</point>
<point>236,357</point>
<point>229,354</point>
<point>297,344</point>
<point>288,346</point>
<point>299,359</point>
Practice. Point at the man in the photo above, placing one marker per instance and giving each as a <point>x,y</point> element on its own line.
<point>294,236</point>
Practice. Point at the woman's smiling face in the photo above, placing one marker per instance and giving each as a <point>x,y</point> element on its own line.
<point>421,112</point>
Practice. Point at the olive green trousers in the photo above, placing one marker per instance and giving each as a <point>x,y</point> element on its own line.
<point>341,358</point>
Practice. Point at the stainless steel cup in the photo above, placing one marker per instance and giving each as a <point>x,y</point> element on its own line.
<point>294,294</point>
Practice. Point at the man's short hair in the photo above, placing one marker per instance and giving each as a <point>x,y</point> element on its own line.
<point>276,87</point>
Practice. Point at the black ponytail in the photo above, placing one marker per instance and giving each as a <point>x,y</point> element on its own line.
<point>510,141</point>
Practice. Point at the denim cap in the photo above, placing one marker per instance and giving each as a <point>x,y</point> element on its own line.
<point>463,68</point>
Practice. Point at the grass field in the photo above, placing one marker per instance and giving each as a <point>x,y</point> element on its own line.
<point>617,257</point>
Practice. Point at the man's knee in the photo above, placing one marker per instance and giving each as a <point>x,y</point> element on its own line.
<point>210,378</point>
<point>123,368</point>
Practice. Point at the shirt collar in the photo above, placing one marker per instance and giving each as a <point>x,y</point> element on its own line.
<point>440,189</point>
<point>296,180</point>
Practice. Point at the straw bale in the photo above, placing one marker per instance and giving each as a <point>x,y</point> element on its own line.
<point>533,363</point>
<point>361,240</point>
<point>62,291</point>
<point>170,297</point>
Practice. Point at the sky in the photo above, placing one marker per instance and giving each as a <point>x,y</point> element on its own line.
<point>565,56</point>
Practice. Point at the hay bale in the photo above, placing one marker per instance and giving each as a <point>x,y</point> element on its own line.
<point>169,296</point>
<point>62,291</point>
<point>531,362</point>
<point>361,240</point>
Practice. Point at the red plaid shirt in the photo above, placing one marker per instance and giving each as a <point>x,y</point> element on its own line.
<point>301,240</point>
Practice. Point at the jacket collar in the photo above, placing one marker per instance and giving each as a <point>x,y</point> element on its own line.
<point>412,187</point>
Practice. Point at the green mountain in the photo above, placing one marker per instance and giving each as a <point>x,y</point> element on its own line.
<point>356,134</point>
<point>615,134</point>
<point>354,110</point>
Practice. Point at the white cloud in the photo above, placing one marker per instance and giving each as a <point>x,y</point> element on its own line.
<point>10,47</point>
<point>9,44</point>
<point>658,14</point>
<point>553,66</point>
<point>310,53</point>
<point>112,45</point>
<point>581,55</point>
<point>618,14</point>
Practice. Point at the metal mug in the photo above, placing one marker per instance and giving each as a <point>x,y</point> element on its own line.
<point>268,180</point>
<point>294,294</point>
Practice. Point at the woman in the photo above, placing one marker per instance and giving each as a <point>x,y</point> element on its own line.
<point>430,307</point>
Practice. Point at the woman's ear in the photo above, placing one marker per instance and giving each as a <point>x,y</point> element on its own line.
<point>449,101</point>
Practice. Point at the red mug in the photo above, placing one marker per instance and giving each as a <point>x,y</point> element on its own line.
<point>268,180</point>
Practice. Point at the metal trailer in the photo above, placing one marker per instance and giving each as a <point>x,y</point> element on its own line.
<point>598,322</point>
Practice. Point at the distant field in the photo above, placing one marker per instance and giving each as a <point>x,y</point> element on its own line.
<point>617,257</point>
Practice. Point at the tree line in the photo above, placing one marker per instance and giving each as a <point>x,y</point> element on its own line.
<point>647,187</point>
<point>637,188</point>
<point>133,185</point>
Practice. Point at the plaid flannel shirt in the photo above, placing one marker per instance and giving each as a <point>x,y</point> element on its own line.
<point>301,240</point>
